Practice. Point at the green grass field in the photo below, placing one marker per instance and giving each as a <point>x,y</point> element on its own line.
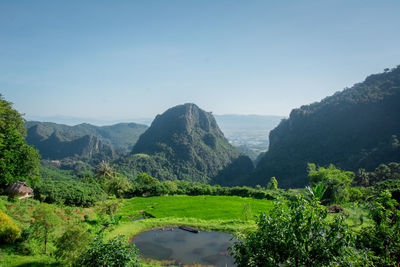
<point>221,213</point>
<point>200,207</point>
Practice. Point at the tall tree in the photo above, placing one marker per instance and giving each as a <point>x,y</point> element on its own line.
<point>18,161</point>
<point>104,171</point>
<point>44,223</point>
<point>272,184</point>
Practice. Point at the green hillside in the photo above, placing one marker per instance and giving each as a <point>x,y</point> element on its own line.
<point>60,145</point>
<point>355,128</point>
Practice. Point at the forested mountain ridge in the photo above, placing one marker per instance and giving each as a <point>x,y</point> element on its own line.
<point>121,136</point>
<point>185,142</point>
<point>355,128</point>
<point>61,145</point>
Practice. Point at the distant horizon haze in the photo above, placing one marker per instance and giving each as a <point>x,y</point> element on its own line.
<point>71,121</point>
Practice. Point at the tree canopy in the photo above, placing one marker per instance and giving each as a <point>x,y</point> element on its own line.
<point>18,161</point>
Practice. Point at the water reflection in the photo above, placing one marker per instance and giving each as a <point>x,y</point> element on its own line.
<point>208,248</point>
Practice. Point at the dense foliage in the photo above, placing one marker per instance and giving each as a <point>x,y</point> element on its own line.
<point>298,234</point>
<point>18,161</point>
<point>336,182</point>
<point>383,238</point>
<point>381,173</point>
<point>155,188</point>
<point>54,173</point>
<point>69,192</point>
<point>353,129</point>
<point>186,143</point>
<point>115,252</point>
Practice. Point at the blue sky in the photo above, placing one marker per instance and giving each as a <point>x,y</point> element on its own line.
<point>128,59</point>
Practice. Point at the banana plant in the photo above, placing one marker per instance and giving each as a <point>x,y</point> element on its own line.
<point>317,192</point>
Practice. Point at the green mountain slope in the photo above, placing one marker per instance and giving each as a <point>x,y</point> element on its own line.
<point>185,142</point>
<point>355,128</point>
<point>61,145</point>
<point>121,136</point>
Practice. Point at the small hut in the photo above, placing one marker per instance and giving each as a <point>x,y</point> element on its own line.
<point>20,190</point>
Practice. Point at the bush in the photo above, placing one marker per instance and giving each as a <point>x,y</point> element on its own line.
<point>115,252</point>
<point>116,185</point>
<point>297,234</point>
<point>355,194</point>
<point>336,181</point>
<point>9,231</point>
<point>383,239</point>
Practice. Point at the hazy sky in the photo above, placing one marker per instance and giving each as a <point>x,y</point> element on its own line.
<point>129,59</point>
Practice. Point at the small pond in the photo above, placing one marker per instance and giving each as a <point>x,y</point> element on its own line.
<point>207,248</point>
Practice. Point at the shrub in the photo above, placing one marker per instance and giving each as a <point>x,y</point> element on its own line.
<point>115,252</point>
<point>297,234</point>
<point>9,231</point>
<point>355,194</point>
<point>109,208</point>
<point>336,182</point>
<point>116,185</point>
<point>383,239</point>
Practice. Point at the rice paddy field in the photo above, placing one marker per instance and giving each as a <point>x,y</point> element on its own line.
<point>221,213</point>
<point>201,207</point>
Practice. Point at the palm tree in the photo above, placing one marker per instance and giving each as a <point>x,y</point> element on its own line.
<point>104,170</point>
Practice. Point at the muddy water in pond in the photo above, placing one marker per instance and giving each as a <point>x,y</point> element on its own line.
<point>208,248</point>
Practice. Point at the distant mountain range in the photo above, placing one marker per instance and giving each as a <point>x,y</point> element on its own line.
<point>58,145</point>
<point>356,128</point>
<point>58,141</point>
<point>249,133</point>
<point>185,142</point>
<point>71,121</point>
